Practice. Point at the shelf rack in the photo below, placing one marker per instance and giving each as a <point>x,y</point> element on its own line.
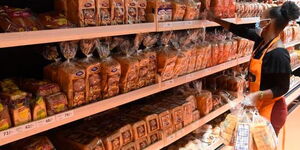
<point>190,128</point>
<point>58,35</point>
<point>48,123</point>
<point>293,43</point>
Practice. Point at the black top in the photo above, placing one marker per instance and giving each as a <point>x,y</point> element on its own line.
<point>276,69</point>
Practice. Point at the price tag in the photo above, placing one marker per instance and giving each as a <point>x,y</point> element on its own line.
<point>41,123</point>
<point>64,115</point>
<point>7,133</point>
<point>171,138</point>
<point>19,129</point>
<point>29,126</point>
<point>49,120</point>
<point>208,70</point>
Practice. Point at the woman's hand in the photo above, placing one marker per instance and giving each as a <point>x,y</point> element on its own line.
<point>251,99</point>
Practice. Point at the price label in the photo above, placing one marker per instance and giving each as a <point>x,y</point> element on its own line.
<point>208,70</point>
<point>19,129</point>
<point>64,115</point>
<point>49,120</point>
<point>29,126</point>
<point>41,123</point>
<point>7,133</point>
<point>171,138</point>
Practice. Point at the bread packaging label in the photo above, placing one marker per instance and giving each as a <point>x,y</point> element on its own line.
<point>142,4</point>
<point>5,122</point>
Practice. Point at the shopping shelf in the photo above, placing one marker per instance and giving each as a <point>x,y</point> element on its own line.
<point>293,93</point>
<point>190,128</point>
<point>58,35</point>
<point>290,44</point>
<point>35,127</point>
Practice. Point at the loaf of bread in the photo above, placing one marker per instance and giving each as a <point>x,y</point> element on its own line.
<point>92,68</point>
<point>39,88</point>
<point>166,62</point>
<point>5,121</point>
<point>152,66</point>
<point>130,73</point>
<point>178,9</point>
<point>142,5</point>
<point>56,103</point>
<point>131,11</point>
<point>110,77</point>
<point>77,140</point>
<point>130,146</point>
<point>72,81</point>
<point>192,59</point>
<point>204,102</point>
<point>192,11</point>
<point>155,137</point>
<point>38,108</point>
<point>32,143</point>
<point>117,11</point>
<point>18,20</point>
<point>142,143</point>
<point>182,63</point>
<point>53,20</point>
<point>103,12</point>
<point>161,7</point>
<point>85,12</point>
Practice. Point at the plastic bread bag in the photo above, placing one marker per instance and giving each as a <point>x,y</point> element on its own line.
<point>130,67</point>
<point>166,58</point>
<point>50,71</point>
<point>87,47</point>
<point>110,69</point>
<point>143,59</point>
<point>149,41</point>
<point>204,99</point>
<point>53,20</point>
<point>182,61</point>
<point>18,20</point>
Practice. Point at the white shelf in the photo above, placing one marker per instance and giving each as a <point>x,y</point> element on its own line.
<point>58,35</point>
<point>293,43</point>
<point>239,21</point>
<point>190,128</point>
<point>291,97</point>
<point>35,127</point>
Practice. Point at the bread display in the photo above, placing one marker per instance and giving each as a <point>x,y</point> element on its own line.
<point>159,8</point>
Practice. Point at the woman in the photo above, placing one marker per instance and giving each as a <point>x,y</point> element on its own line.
<point>270,70</point>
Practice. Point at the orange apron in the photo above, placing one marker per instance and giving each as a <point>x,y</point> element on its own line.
<point>264,106</point>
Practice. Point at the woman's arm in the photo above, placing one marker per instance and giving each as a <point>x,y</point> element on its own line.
<point>281,87</point>
<point>236,29</point>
